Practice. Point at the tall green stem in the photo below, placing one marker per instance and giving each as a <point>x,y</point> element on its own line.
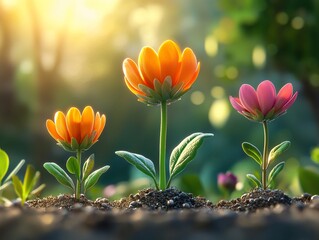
<point>162,146</point>
<point>265,155</point>
<point>78,182</point>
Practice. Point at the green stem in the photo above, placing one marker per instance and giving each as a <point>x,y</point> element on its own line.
<point>78,182</point>
<point>265,155</point>
<point>162,146</point>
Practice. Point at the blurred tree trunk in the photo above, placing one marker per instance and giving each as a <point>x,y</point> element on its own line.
<point>9,106</point>
<point>47,78</point>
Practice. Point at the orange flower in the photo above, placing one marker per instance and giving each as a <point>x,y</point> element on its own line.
<point>161,77</point>
<point>76,131</point>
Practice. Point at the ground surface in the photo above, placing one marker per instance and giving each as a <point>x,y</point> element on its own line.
<point>168,214</point>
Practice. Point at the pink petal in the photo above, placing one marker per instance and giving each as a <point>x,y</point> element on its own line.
<point>235,102</point>
<point>289,103</point>
<point>248,98</point>
<point>266,94</point>
<point>283,96</point>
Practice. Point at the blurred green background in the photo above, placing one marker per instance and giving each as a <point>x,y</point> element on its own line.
<point>55,54</point>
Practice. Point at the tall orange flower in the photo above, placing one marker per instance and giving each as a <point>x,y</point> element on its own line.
<point>161,77</point>
<point>74,130</point>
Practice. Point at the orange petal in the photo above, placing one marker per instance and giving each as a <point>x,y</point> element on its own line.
<point>132,73</point>
<point>149,65</point>
<point>97,123</point>
<point>193,79</point>
<point>60,126</point>
<point>101,127</point>
<point>51,129</point>
<point>169,56</point>
<point>73,122</point>
<point>87,122</point>
<point>132,89</point>
<point>189,67</point>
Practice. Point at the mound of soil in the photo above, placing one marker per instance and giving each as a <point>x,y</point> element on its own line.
<point>168,214</point>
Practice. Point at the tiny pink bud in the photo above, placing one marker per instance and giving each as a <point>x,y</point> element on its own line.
<point>227,181</point>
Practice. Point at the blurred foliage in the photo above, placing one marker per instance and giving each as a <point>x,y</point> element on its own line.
<point>55,54</point>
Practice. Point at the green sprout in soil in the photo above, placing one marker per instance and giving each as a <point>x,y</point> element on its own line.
<point>4,166</point>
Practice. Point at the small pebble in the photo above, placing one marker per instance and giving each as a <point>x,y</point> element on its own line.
<point>307,196</point>
<point>135,204</point>
<point>186,205</point>
<point>315,198</point>
<point>170,203</point>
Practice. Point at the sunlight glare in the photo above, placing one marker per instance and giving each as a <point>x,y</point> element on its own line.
<point>259,56</point>
<point>219,113</point>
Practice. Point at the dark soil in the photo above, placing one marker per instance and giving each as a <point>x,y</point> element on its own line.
<point>168,214</point>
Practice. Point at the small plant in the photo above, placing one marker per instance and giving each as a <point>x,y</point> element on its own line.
<point>263,106</point>
<point>26,188</point>
<point>4,166</point>
<point>160,79</point>
<point>76,132</point>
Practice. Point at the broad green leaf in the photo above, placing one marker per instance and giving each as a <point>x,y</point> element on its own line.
<point>72,164</point>
<point>15,170</point>
<point>254,180</point>
<point>275,171</point>
<point>278,150</point>
<point>252,151</point>
<point>88,167</point>
<point>309,179</point>
<point>185,152</point>
<point>60,175</point>
<point>315,155</point>
<point>4,164</point>
<point>92,179</point>
<point>18,187</point>
<point>142,163</point>
<point>28,179</point>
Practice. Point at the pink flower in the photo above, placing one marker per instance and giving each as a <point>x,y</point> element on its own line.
<point>263,104</point>
<point>227,181</point>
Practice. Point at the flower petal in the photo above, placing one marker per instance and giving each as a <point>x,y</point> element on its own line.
<point>60,126</point>
<point>248,98</point>
<point>189,68</point>
<point>266,94</point>
<point>52,130</point>
<point>73,122</point>
<point>235,102</point>
<point>283,96</point>
<point>132,73</point>
<point>149,65</point>
<point>289,103</point>
<point>193,79</point>
<point>99,128</point>
<point>132,88</point>
<point>87,122</point>
<point>169,56</point>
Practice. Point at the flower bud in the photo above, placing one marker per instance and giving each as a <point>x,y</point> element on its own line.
<point>227,181</point>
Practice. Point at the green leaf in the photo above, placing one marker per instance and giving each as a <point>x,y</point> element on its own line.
<point>28,179</point>
<point>88,167</point>
<point>142,163</point>
<point>254,180</point>
<point>309,179</point>
<point>4,164</point>
<point>275,171</point>
<point>38,190</point>
<point>60,175</point>
<point>185,152</point>
<point>94,177</point>
<point>73,167</point>
<point>315,155</point>
<point>278,150</point>
<point>252,151</point>
<point>32,183</point>
<point>18,187</point>
<point>15,170</point>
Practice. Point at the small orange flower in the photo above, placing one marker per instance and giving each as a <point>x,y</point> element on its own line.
<point>76,131</point>
<point>161,77</point>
